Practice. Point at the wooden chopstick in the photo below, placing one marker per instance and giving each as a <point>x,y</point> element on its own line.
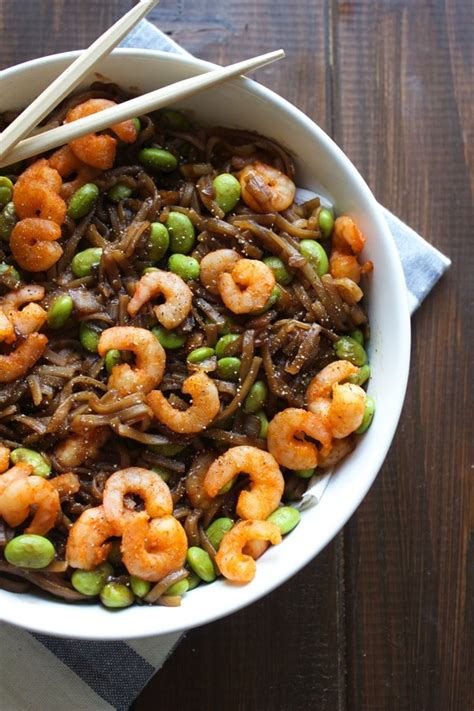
<point>70,78</point>
<point>134,107</point>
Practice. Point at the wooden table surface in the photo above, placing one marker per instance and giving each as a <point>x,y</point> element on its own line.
<point>380,620</point>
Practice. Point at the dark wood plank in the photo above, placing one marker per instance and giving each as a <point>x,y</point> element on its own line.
<point>398,114</point>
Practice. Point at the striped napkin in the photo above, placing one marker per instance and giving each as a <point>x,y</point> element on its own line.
<point>38,672</point>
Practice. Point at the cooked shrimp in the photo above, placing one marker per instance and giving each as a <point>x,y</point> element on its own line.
<point>32,317</point>
<point>33,244</point>
<point>38,200</point>
<point>205,405</point>
<point>266,480</point>
<point>7,332</point>
<point>150,359</point>
<point>19,361</point>
<point>347,242</point>
<point>66,484</point>
<point>78,448</point>
<point>87,545</point>
<point>286,442</point>
<point>4,458</point>
<point>343,412</point>
<point>340,449</point>
<point>248,286</point>
<point>255,548</point>
<point>141,482</point>
<point>322,383</point>
<point>231,561</point>
<point>266,189</point>
<point>215,263</point>
<point>152,549</point>
<point>20,471</point>
<point>66,163</point>
<point>41,172</point>
<point>33,491</point>
<point>178,297</point>
<point>99,150</point>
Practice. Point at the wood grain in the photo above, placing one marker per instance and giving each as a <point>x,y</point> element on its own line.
<point>382,620</point>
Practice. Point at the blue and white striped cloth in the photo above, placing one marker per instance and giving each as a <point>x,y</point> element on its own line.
<point>38,672</point>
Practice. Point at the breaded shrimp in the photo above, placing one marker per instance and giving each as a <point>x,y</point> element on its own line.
<point>178,297</point>
<point>231,561</point>
<point>266,480</point>
<point>205,405</point>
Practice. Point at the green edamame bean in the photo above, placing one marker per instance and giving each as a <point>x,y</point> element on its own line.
<point>10,273</point>
<point>168,339</point>
<point>116,595</point>
<point>168,450</point>
<point>368,415</point>
<point>179,588</point>
<point>286,518</point>
<point>326,221</point>
<point>182,233</point>
<point>175,120</point>
<point>193,580</point>
<point>361,377</point>
<point>138,124</point>
<point>256,398</point>
<point>225,341</point>
<point>274,296</point>
<point>164,473</point>
<point>119,192</point>
<point>159,241</point>
<point>84,262</point>
<point>280,272</point>
<point>201,563</point>
<point>82,201</point>
<point>304,473</point>
<point>200,354</point>
<point>30,551</point>
<point>158,159</point>
<point>8,221</point>
<point>59,311</point>
<point>6,191</point>
<point>140,587</point>
<point>314,253</point>
<point>41,467</point>
<point>89,335</point>
<point>263,424</point>
<point>348,348</point>
<point>227,190</point>
<point>112,358</point>
<point>186,267</point>
<point>358,336</point>
<point>115,554</point>
<point>228,368</point>
<point>216,530</point>
<point>91,582</point>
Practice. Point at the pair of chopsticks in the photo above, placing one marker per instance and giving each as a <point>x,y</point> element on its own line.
<point>13,149</point>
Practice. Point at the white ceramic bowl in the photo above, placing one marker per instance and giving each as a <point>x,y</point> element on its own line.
<point>245,104</point>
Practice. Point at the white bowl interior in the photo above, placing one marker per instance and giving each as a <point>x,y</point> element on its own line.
<point>244,104</point>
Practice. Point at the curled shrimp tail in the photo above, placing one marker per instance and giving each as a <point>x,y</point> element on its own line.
<point>19,361</point>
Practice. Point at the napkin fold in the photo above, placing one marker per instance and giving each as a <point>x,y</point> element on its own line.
<point>40,672</point>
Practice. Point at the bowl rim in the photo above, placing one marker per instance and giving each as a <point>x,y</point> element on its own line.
<point>44,624</point>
